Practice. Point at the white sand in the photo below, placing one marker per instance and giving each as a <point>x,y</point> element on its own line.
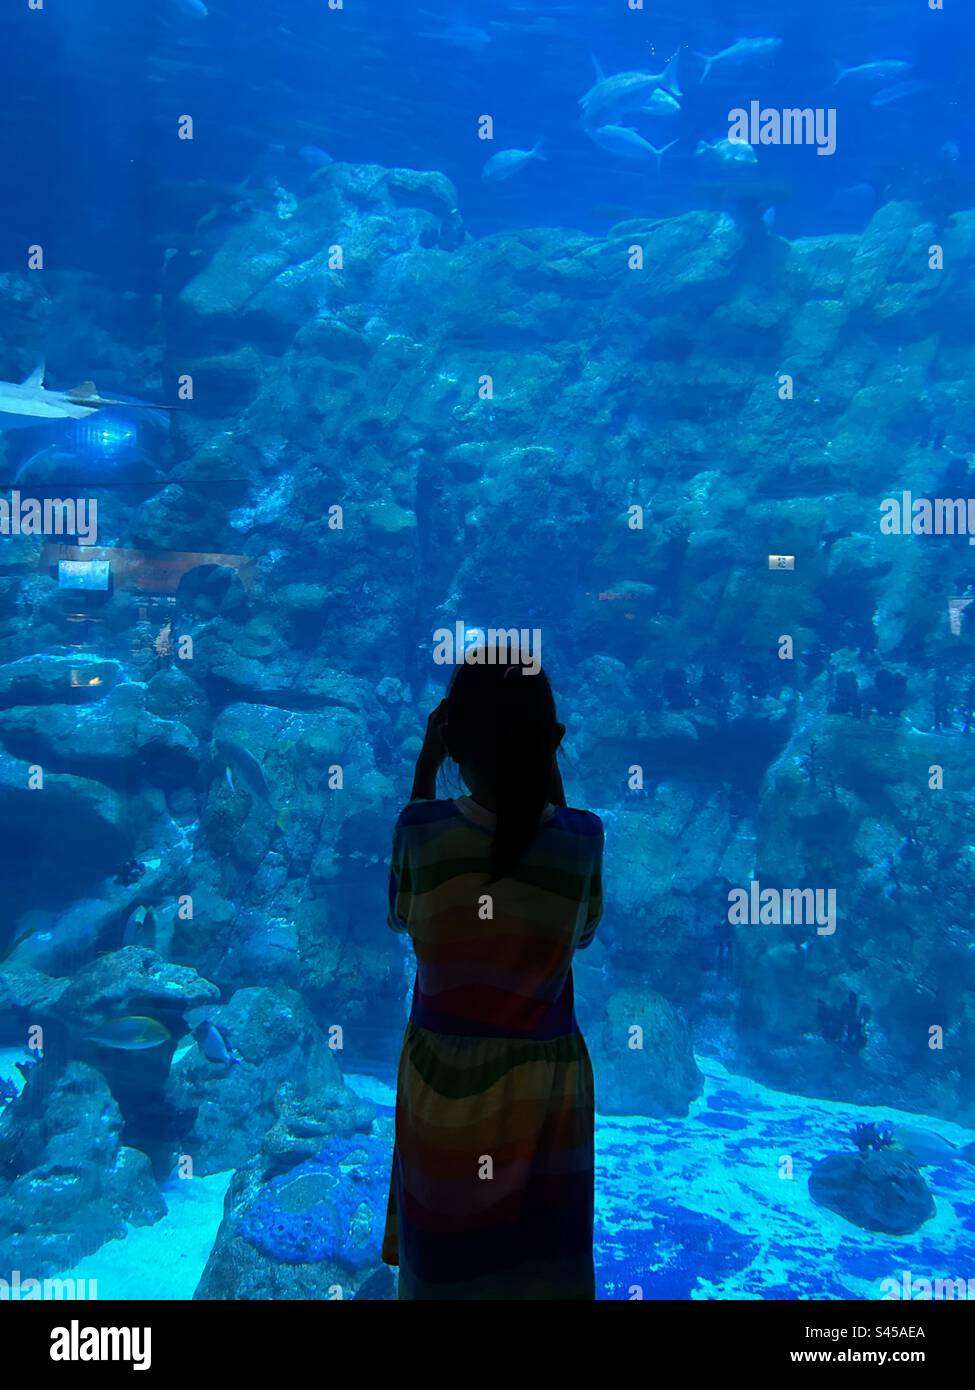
<point>166,1260</point>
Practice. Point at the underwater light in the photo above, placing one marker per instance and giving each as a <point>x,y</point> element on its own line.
<point>106,435</point>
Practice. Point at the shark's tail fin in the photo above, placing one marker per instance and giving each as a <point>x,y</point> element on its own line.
<point>597,65</point>
<point>840,71</point>
<point>537,149</point>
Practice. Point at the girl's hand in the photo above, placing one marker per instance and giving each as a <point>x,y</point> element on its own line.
<point>433,751</point>
<point>432,754</point>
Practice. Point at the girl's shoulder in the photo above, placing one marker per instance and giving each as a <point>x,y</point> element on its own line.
<point>578,821</point>
<point>422,812</point>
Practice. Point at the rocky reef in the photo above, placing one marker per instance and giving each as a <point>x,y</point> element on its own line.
<point>395,427</point>
<point>313,1231</point>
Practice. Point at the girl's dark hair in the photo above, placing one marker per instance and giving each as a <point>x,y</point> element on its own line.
<point>501,720</point>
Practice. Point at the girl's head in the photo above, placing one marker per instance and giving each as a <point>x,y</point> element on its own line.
<point>502,731</point>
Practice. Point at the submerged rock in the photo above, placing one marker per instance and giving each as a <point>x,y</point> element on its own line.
<point>880,1190</point>
<point>113,742</point>
<point>133,980</point>
<point>54,680</point>
<point>67,1182</point>
<point>643,1057</point>
<point>312,1232</point>
<point>228,1111</point>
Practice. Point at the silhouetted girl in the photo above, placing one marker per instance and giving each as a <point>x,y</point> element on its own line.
<point>491,1195</point>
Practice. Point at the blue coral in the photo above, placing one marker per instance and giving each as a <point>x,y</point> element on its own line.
<point>329,1207</point>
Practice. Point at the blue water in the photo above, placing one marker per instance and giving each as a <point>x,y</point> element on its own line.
<point>591,399</point>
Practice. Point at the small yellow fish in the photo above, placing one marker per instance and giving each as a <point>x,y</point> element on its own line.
<point>129,1034</point>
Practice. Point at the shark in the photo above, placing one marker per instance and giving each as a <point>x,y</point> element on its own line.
<point>29,401</point>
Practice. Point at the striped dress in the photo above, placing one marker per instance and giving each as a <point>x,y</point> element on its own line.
<point>491,1193</point>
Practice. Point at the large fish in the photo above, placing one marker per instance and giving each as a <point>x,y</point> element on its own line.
<point>911,88</point>
<point>727,152</point>
<point>238,759</point>
<point>129,1034</point>
<point>883,71</point>
<point>661,104</point>
<point>140,928</point>
<point>628,143</point>
<point>739,53</point>
<point>507,162</point>
<point>213,1045</point>
<point>29,401</point>
<point>627,93</point>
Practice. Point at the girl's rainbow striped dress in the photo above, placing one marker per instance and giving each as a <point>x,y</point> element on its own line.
<point>491,1194</point>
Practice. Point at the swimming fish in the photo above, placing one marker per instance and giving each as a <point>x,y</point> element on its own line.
<point>911,88</point>
<point>727,152</point>
<point>738,53</point>
<point>140,928</point>
<point>930,1149</point>
<point>661,104</point>
<point>238,759</point>
<point>212,1044</point>
<point>508,162</point>
<point>881,71</point>
<point>194,8</point>
<point>628,143</point>
<point>133,1033</point>
<point>615,97</point>
<point>30,401</point>
<point>315,157</point>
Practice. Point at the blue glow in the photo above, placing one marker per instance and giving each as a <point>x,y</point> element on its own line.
<point>106,435</point>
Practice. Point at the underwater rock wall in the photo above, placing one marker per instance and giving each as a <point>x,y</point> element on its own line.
<point>339,350</point>
<point>659,387</point>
